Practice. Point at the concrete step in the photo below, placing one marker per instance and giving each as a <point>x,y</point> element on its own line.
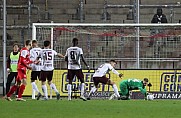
<point>155,2</point>
<point>10,22</point>
<point>94,2</point>
<point>93,11</point>
<point>62,6</point>
<point>118,10</point>
<point>39,2</point>
<point>62,20</point>
<point>61,17</point>
<point>61,11</point>
<point>15,11</point>
<point>118,17</point>
<point>93,17</point>
<point>118,2</point>
<point>146,18</point>
<point>93,21</point>
<point>12,16</point>
<point>74,21</point>
<point>33,11</point>
<point>57,11</point>
<point>19,2</point>
<point>63,1</point>
<point>71,11</point>
<point>25,17</point>
<point>93,6</point>
<point>21,22</point>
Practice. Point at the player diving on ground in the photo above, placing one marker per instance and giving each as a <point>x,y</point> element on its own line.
<point>131,84</point>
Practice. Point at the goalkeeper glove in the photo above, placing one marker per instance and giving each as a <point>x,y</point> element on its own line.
<point>120,75</point>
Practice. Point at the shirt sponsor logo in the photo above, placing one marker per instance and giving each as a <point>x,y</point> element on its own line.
<point>14,61</point>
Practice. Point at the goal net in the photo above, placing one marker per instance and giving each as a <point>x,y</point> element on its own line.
<point>102,42</point>
<point>134,46</point>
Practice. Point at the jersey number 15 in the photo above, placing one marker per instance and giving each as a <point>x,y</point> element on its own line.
<point>48,55</point>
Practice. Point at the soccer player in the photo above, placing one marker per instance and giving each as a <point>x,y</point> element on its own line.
<point>73,56</point>
<point>47,56</point>
<point>36,68</point>
<point>100,77</point>
<point>132,84</point>
<point>12,63</point>
<point>23,65</point>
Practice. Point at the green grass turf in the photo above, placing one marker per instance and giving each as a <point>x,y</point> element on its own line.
<point>90,109</point>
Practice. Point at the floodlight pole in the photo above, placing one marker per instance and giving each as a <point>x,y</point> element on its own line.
<point>29,19</point>
<point>4,45</point>
<point>137,34</point>
<point>81,11</point>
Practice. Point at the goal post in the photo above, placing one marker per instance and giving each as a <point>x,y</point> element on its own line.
<point>121,33</point>
<point>155,48</point>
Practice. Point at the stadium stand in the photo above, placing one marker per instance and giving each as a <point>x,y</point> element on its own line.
<point>67,11</point>
<point>63,11</point>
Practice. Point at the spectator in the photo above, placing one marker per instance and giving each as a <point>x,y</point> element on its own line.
<point>159,17</point>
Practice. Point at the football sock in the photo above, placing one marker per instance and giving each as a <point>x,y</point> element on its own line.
<point>44,89</point>
<point>21,90</point>
<point>17,90</point>
<point>33,93</point>
<point>115,90</point>
<point>69,87</point>
<point>12,90</point>
<point>92,90</point>
<point>82,89</point>
<point>34,86</point>
<point>54,88</point>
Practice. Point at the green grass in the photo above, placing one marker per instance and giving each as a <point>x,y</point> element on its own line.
<point>91,109</point>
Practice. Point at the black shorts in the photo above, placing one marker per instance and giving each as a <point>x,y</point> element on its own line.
<point>78,73</point>
<point>98,80</point>
<point>35,75</point>
<point>46,75</point>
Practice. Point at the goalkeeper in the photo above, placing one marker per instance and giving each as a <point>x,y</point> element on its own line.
<point>131,84</point>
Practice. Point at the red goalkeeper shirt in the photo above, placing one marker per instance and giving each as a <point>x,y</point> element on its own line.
<point>24,59</point>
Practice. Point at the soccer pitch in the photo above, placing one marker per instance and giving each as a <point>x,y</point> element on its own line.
<point>90,109</point>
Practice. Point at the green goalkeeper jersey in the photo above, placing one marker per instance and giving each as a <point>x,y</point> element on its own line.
<point>135,84</point>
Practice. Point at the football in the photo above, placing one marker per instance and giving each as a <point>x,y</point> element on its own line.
<point>150,97</point>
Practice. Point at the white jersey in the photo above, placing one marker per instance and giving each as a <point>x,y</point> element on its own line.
<point>47,56</point>
<point>34,53</point>
<point>74,54</point>
<point>103,69</point>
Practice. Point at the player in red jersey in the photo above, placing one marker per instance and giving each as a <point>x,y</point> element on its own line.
<point>23,65</point>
